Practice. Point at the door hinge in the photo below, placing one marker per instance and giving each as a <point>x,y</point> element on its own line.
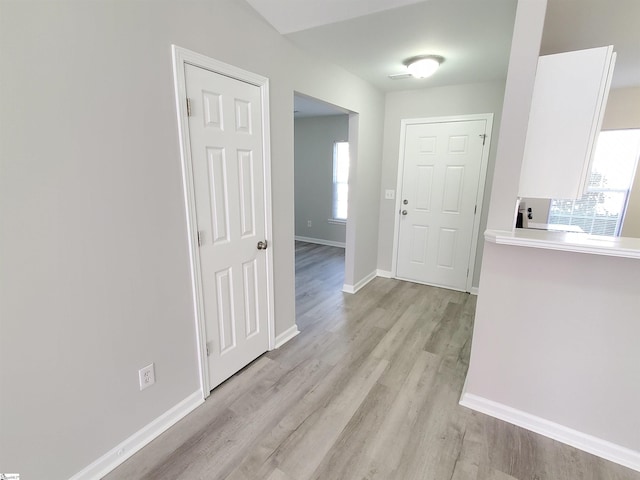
<point>200,238</point>
<point>467,272</point>
<point>207,347</point>
<point>475,209</point>
<point>484,137</point>
<point>189,107</point>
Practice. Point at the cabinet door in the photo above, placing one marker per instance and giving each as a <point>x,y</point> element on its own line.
<point>569,98</point>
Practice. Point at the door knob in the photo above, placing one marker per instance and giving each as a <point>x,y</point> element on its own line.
<point>404,212</point>
<point>262,245</point>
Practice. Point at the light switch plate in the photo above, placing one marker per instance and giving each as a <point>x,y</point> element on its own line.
<point>389,194</point>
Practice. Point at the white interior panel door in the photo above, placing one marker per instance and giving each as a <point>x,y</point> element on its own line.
<point>441,171</point>
<point>225,134</point>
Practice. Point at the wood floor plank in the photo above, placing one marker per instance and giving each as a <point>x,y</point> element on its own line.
<point>303,452</point>
<point>368,390</point>
<point>394,431</point>
<point>369,435</point>
<point>346,459</point>
<point>279,475</point>
<point>242,424</point>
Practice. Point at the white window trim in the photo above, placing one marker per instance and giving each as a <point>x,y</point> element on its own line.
<point>621,217</point>
<point>337,221</point>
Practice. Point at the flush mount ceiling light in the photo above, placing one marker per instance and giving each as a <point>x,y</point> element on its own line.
<point>421,66</point>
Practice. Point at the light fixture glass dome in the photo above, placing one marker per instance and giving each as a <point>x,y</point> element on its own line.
<point>423,66</point>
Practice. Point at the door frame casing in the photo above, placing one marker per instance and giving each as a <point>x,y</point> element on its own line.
<point>180,57</point>
<point>488,117</point>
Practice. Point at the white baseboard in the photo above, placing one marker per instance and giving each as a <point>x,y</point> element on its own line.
<point>142,437</point>
<point>287,335</point>
<point>474,291</point>
<point>320,241</point>
<point>354,288</point>
<point>582,441</point>
<point>384,274</point>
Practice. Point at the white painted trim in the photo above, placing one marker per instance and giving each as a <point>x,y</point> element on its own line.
<point>474,291</point>
<point>268,208</point>
<point>582,441</point>
<point>180,57</point>
<point>355,288</point>
<point>384,273</point>
<point>287,335</point>
<point>335,221</point>
<point>320,241</point>
<point>437,285</point>
<point>179,82</point>
<point>117,455</point>
<point>482,181</point>
<point>482,177</point>
<point>352,208</point>
<point>625,247</point>
<point>349,289</point>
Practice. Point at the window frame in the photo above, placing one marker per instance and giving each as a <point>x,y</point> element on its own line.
<point>626,193</point>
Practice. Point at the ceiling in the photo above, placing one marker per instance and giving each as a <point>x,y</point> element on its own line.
<point>473,36</point>
<point>371,38</point>
<point>304,106</point>
<point>289,16</point>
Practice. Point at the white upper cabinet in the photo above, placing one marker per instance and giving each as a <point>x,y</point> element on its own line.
<point>569,98</point>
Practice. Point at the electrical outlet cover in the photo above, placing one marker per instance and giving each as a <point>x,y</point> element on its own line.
<point>147,376</point>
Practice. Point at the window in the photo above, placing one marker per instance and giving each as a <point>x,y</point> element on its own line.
<point>601,209</point>
<point>340,180</point>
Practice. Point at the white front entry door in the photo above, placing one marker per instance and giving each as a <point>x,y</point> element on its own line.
<point>225,135</point>
<point>438,193</point>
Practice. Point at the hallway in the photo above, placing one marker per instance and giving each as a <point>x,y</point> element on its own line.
<point>368,390</point>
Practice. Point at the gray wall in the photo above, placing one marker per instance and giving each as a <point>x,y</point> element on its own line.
<point>314,139</point>
<point>623,111</point>
<point>95,275</point>
<point>432,102</point>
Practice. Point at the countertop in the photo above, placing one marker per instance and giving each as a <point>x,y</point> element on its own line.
<point>567,241</point>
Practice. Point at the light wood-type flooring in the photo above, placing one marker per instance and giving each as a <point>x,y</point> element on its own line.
<point>368,390</point>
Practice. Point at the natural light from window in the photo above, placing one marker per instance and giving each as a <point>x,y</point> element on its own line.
<point>601,209</point>
<point>340,180</point>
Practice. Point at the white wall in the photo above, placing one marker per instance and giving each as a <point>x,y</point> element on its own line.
<point>432,102</point>
<point>556,336</point>
<point>571,358</point>
<point>94,275</point>
<point>314,140</point>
